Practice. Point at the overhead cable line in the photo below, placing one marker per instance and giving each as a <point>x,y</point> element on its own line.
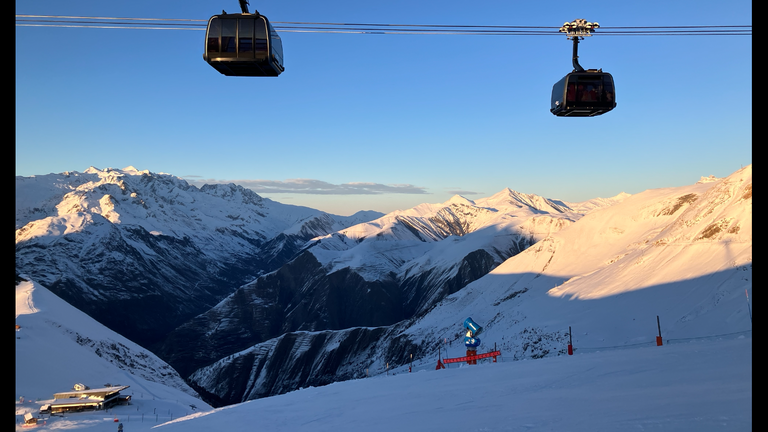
<point>375,28</point>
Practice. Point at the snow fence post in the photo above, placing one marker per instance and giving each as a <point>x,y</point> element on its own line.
<point>570,341</point>
<point>658,338</point>
<point>440,364</point>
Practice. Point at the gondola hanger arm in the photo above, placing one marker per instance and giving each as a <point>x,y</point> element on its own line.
<point>244,7</point>
<point>576,30</point>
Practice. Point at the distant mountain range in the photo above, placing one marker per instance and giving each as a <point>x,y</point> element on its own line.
<point>247,298</point>
<point>143,252</point>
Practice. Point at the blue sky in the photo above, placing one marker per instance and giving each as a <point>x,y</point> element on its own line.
<point>385,122</point>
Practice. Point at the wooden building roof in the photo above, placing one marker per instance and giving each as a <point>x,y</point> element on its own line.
<point>103,393</point>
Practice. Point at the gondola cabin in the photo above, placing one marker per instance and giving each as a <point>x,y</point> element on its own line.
<point>243,45</point>
<point>586,93</point>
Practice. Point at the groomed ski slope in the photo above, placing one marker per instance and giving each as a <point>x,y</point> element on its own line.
<point>698,386</point>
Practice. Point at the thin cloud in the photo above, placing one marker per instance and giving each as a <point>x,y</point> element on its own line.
<point>463,192</point>
<point>317,187</point>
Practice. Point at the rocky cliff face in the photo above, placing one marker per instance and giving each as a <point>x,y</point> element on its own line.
<point>300,296</point>
<point>288,362</point>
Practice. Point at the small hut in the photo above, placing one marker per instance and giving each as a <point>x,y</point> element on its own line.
<point>29,419</point>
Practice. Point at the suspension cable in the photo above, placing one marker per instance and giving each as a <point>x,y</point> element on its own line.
<point>375,28</point>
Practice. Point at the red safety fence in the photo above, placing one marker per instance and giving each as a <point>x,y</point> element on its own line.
<point>473,357</point>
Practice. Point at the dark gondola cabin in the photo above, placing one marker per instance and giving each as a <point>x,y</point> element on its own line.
<point>243,45</point>
<point>586,93</point>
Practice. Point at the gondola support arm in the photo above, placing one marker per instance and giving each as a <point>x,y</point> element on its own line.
<point>244,7</point>
<point>576,30</point>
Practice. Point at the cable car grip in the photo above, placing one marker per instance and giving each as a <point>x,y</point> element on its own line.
<point>244,8</point>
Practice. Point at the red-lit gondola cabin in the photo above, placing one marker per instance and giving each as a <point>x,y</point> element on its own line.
<point>585,93</point>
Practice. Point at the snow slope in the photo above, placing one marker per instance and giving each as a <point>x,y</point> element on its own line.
<point>57,346</point>
<point>683,254</point>
<point>703,385</point>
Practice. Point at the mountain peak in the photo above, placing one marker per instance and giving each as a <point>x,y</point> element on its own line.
<point>230,190</point>
<point>709,179</point>
<point>511,197</point>
<point>130,169</point>
<point>458,199</point>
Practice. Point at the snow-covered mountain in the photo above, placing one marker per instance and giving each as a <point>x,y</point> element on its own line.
<point>371,274</point>
<point>283,297</point>
<point>676,259</point>
<point>142,252</point>
<point>683,254</point>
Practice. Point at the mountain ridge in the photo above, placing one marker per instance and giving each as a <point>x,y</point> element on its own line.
<point>611,269</point>
<point>159,244</point>
<point>413,258</point>
<point>127,243</point>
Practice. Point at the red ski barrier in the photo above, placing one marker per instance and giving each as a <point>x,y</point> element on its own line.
<point>473,357</point>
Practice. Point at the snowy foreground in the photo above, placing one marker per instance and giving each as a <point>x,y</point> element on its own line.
<point>703,386</point>
<point>698,385</point>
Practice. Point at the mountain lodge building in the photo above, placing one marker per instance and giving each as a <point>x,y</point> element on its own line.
<point>88,399</point>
